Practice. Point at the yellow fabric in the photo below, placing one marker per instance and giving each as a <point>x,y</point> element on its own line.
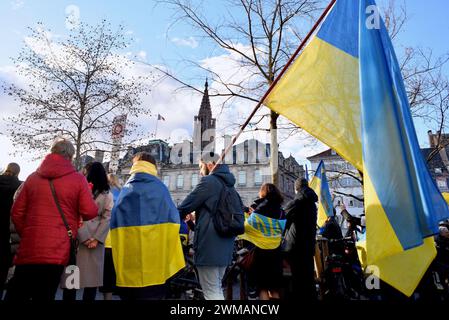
<point>446,196</point>
<point>108,242</point>
<point>320,93</point>
<point>146,256</point>
<point>143,167</point>
<point>401,269</point>
<point>315,184</point>
<point>257,238</point>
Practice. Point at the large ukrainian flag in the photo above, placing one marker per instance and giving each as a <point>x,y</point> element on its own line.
<point>402,202</point>
<point>346,89</point>
<point>145,226</point>
<point>321,187</point>
<point>320,90</point>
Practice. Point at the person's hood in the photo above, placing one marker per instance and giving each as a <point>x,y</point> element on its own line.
<point>55,166</point>
<point>308,193</point>
<point>265,205</point>
<point>222,171</point>
<point>8,181</point>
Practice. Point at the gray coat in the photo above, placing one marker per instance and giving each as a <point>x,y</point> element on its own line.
<point>91,261</point>
<point>210,249</point>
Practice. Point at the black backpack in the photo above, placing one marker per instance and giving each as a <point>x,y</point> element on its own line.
<point>229,219</point>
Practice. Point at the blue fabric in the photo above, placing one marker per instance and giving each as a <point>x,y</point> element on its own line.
<point>391,152</point>
<point>339,29</point>
<point>144,200</point>
<point>324,191</point>
<point>115,193</point>
<point>184,228</point>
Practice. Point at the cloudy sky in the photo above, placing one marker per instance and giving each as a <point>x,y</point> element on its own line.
<point>157,41</point>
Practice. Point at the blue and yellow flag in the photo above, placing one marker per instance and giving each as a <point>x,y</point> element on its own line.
<point>262,231</point>
<point>320,90</point>
<point>321,187</point>
<point>402,201</point>
<point>145,227</point>
<point>346,89</point>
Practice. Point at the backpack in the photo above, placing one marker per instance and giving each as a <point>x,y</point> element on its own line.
<point>229,219</point>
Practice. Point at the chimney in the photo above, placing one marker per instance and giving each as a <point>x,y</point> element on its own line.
<point>430,135</point>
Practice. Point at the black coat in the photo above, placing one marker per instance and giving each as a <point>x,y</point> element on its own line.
<point>266,271</point>
<point>301,222</point>
<point>331,230</point>
<point>8,186</point>
<point>268,208</point>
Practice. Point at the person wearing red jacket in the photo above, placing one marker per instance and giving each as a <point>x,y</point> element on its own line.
<point>45,245</point>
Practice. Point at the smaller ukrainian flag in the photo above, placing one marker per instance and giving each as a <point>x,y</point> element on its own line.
<point>264,232</point>
<point>321,187</point>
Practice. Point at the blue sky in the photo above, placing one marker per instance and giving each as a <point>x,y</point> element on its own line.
<point>148,23</point>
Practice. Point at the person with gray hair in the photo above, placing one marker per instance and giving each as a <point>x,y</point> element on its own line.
<point>47,213</point>
<point>9,183</point>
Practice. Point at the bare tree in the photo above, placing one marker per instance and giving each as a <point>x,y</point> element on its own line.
<point>75,87</point>
<point>262,35</point>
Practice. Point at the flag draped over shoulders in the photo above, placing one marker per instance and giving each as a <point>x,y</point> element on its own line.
<point>262,231</point>
<point>145,228</point>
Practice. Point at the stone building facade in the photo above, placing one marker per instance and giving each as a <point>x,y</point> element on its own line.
<point>249,161</point>
<point>341,185</point>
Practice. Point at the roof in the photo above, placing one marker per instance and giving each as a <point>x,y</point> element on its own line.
<point>436,162</point>
<point>325,154</point>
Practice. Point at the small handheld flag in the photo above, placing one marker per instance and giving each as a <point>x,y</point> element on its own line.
<point>321,187</point>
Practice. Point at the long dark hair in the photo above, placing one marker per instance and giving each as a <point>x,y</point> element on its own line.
<point>270,192</point>
<point>97,176</point>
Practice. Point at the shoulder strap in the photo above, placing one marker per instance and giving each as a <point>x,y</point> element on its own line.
<point>53,192</point>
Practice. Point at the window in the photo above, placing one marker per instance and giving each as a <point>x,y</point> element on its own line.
<point>338,203</point>
<point>166,180</point>
<point>258,177</point>
<point>194,180</point>
<point>441,183</point>
<point>351,203</point>
<point>242,178</point>
<point>180,181</point>
<point>438,170</point>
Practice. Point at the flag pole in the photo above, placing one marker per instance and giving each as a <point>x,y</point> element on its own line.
<point>274,83</point>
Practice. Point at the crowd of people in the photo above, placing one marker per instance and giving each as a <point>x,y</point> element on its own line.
<point>127,240</point>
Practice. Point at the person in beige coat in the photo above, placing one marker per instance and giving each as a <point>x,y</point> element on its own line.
<point>92,235</point>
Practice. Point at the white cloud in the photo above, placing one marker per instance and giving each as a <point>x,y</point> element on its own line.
<point>185,42</point>
<point>178,107</point>
<point>73,17</point>
<point>27,164</point>
<point>17,4</point>
<point>142,55</point>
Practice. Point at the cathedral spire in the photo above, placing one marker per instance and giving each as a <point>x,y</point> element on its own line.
<point>204,124</point>
<point>205,109</point>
